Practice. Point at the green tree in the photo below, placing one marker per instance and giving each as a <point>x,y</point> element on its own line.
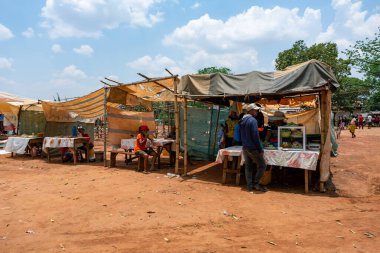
<point>325,52</point>
<point>352,95</point>
<point>211,70</point>
<point>365,56</point>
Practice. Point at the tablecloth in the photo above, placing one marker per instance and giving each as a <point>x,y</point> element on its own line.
<point>130,143</point>
<point>58,142</point>
<point>295,159</point>
<point>17,144</point>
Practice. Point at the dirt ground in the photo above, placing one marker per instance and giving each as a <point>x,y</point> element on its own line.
<point>55,207</point>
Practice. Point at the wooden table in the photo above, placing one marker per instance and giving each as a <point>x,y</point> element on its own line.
<point>306,160</point>
<point>65,142</point>
<point>129,144</point>
<point>22,145</point>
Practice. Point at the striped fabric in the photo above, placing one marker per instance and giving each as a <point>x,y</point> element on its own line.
<point>87,107</point>
<point>124,124</point>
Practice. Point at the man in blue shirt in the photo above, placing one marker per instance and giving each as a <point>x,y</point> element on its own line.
<point>252,149</point>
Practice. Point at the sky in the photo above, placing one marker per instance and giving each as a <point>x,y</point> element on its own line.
<point>66,47</point>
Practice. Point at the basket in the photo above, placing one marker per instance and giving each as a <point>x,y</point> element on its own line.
<point>267,177</point>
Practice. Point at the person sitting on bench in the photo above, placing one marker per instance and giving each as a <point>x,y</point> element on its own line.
<point>142,150</point>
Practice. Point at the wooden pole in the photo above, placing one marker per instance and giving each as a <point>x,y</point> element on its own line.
<point>18,120</point>
<point>105,126</point>
<point>185,137</point>
<point>216,132</point>
<point>176,109</point>
<point>325,136</point>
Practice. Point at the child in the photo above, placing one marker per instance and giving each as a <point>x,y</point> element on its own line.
<point>142,150</point>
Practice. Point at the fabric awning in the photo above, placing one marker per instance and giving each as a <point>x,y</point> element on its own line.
<point>304,78</point>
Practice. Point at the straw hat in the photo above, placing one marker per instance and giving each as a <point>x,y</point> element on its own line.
<point>253,106</point>
<point>278,115</point>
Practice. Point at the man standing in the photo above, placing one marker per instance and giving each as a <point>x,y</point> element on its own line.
<point>252,149</point>
<point>361,121</point>
<point>369,120</point>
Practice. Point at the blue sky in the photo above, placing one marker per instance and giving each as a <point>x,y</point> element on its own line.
<point>67,46</point>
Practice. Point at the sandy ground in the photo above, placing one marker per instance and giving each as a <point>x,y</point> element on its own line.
<point>89,208</point>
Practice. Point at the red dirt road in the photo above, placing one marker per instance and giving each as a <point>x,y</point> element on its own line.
<point>89,208</point>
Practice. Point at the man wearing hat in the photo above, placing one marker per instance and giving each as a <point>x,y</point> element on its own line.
<point>278,119</point>
<point>252,149</point>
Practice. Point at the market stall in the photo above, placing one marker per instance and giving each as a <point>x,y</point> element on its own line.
<point>311,78</point>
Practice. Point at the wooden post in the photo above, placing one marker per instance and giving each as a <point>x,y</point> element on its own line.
<point>325,136</point>
<point>306,181</point>
<point>216,132</point>
<point>176,109</point>
<point>105,126</point>
<point>185,136</point>
<point>18,120</point>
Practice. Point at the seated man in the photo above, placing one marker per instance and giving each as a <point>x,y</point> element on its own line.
<point>82,133</point>
<point>142,150</point>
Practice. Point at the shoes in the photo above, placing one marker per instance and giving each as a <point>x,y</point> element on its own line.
<point>260,188</point>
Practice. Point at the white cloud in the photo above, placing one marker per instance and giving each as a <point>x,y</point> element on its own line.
<point>85,50</point>
<point>5,33</point>
<point>195,5</point>
<point>73,72</point>
<point>6,63</point>
<point>28,33</point>
<point>235,42</point>
<point>350,23</point>
<point>250,27</point>
<point>74,18</point>
<point>152,65</point>
<point>56,48</point>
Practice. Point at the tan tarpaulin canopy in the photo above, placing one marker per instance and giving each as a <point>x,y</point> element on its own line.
<point>91,106</point>
<point>11,105</point>
<point>151,90</point>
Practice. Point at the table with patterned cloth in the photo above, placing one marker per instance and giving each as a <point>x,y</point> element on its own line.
<point>72,143</point>
<point>129,144</point>
<point>21,145</point>
<point>306,160</point>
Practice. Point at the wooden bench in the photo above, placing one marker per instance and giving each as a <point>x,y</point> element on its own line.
<point>129,156</point>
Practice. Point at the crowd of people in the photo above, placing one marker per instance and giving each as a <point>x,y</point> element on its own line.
<point>360,121</point>
<point>357,121</point>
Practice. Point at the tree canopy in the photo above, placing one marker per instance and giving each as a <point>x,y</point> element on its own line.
<point>211,70</point>
<point>325,52</point>
<point>365,56</point>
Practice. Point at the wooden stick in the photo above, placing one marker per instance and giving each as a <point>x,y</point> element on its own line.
<point>163,86</point>
<point>306,181</point>
<point>176,109</point>
<point>105,126</point>
<point>185,136</point>
<point>216,132</point>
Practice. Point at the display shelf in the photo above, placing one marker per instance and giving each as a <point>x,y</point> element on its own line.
<point>292,138</point>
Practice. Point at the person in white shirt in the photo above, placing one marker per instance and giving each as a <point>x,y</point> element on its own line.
<point>369,120</point>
